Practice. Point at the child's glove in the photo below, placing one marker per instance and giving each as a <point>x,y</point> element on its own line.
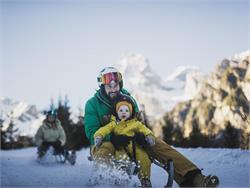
<point>150,140</point>
<point>98,141</point>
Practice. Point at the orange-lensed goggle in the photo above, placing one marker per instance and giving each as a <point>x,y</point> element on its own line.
<point>109,77</point>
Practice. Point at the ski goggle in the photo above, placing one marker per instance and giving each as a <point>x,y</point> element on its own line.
<point>109,77</point>
<point>52,113</point>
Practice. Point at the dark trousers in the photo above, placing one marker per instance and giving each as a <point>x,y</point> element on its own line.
<point>58,148</point>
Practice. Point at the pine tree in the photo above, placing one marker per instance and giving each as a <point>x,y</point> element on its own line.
<point>244,139</point>
<point>196,138</point>
<point>81,139</point>
<point>168,130</point>
<point>75,133</point>
<point>63,115</point>
<point>7,136</point>
<point>173,135</point>
<point>231,136</point>
<point>2,133</point>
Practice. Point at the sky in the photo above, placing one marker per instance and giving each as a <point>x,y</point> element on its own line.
<point>52,48</point>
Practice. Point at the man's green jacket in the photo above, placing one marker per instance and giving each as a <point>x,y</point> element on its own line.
<point>96,109</point>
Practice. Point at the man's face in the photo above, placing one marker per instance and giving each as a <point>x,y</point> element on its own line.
<point>51,118</point>
<point>112,89</point>
<point>123,112</point>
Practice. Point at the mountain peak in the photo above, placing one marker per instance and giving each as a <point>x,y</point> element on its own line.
<point>242,56</point>
<point>181,72</point>
<point>25,117</point>
<point>132,60</point>
<point>136,70</point>
<point>148,87</point>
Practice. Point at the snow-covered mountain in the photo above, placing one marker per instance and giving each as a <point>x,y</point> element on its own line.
<point>223,101</point>
<point>185,81</point>
<point>25,117</point>
<point>157,95</point>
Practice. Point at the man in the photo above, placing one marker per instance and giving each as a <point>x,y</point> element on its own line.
<point>99,107</point>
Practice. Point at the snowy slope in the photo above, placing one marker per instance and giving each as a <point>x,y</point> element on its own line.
<point>157,95</point>
<point>19,168</point>
<point>25,117</point>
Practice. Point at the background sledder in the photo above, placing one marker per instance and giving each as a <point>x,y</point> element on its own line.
<point>51,134</point>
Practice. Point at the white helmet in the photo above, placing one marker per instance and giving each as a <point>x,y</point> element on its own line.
<point>109,74</point>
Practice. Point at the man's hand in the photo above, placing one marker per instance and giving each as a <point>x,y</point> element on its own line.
<point>57,143</point>
<point>140,139</point>
<point>46,144</point>
<point>120,140</point>
<point>150,140</point>
<point>98,141</point>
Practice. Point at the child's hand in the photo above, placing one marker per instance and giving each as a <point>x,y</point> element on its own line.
<point>150,140</point>
<point>98,141</point>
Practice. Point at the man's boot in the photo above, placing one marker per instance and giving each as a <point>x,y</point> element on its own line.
<point>41,152</point>
<point>145,182</point>
<point>205,181</point>
<point>195,178</point>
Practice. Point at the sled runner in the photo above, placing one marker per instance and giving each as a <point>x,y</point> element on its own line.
<point>168,166</point>
<point>131,167</point>
<point>67,155</point>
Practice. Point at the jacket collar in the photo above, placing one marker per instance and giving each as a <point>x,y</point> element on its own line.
<point>103,98</point>
<point>50,125</point>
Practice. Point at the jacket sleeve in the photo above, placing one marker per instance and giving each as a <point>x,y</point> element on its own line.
<point>143,129</point>
<point>104,131</point>
<point>39,137</point>
<point>91,122</point>
<point>62,136</point>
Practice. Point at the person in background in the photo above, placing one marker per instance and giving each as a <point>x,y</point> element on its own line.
<point>51,133</point>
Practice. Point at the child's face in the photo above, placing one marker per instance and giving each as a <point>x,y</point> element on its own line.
<point>123,112</point>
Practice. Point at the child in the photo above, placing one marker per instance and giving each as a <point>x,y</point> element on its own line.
<point>125,124</point>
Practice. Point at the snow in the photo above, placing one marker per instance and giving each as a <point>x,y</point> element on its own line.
<point>181,72</point>
<point>19,168</point>
<point>241,56</point>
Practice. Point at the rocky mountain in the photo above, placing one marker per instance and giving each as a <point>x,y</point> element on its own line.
<point>223,100</point>
<point>25,118</point>
<point>153,93</point>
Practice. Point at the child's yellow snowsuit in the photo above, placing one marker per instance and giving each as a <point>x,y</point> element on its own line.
<point>129,128</point>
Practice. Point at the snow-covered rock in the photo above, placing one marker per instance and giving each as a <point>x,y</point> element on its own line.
<point>157,95</point>
<point>26,118</point>
<point>222,100</point>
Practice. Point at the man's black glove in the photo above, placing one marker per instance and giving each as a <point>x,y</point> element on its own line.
<point>140,139</point>
<point>57,144</point>
<point>46,144</point>
<point>120,140</point>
